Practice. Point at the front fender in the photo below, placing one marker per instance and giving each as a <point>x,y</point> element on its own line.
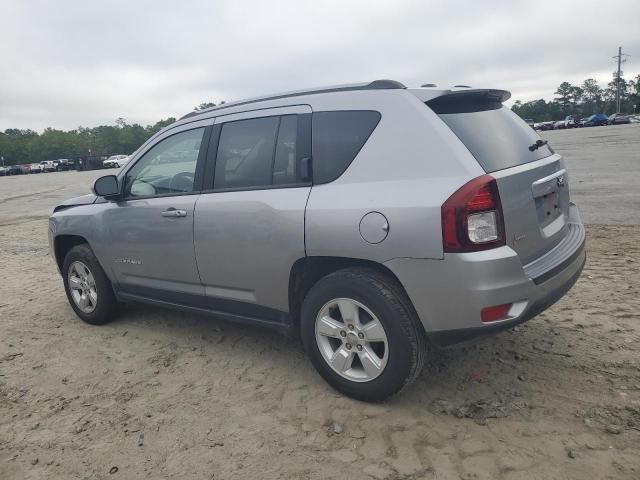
<point>80,221</point>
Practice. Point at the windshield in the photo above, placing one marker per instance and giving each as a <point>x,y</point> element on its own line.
<point>495,136</point>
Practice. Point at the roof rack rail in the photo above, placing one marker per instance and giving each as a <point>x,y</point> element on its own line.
<point>374,85</point>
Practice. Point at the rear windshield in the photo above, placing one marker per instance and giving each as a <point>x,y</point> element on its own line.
<point>495,136</point>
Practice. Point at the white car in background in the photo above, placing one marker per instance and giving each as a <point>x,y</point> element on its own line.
<point>116,161</point>
<point>48,166</point>
<point>36,168</point>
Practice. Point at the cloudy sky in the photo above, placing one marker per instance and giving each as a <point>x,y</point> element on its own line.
<point>67,63</point>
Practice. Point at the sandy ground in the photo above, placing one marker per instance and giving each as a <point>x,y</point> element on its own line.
<point>160,394</point>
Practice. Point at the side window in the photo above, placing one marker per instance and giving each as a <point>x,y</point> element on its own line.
<point>258,152</point>
<point>244,154</point>
<point>168,167</point>
<point>284,163</point>
<point>337,137</point>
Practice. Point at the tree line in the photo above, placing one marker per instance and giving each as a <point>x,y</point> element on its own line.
<point>584,100</point>
<point>27,146</point>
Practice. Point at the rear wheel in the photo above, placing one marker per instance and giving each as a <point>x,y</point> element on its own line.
<point>87,286</point>
<point>362,335</point>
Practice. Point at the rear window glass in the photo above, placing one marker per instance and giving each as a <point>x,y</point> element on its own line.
<point>337,137</point>
<point>495,136</point>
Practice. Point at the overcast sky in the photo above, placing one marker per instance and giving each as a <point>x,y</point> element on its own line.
<point>70,63</point>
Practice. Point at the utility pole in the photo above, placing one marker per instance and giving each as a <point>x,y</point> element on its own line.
<point>618,76</point>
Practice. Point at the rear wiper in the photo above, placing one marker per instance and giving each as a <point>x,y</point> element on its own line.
<point>537,145</point>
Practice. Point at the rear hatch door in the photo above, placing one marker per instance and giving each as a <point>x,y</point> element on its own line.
<point>532,180</point>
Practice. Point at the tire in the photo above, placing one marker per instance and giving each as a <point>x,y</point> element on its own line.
<point>377,297</point>
<point>104,305</point>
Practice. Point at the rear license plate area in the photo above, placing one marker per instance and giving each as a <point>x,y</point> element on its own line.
<point>548,207</point>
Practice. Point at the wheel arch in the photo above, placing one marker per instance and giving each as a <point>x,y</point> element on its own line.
<point>63,243</point>
<point>306,271</point>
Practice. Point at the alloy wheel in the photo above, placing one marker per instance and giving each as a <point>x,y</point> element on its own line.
<point>82,286</point>
<point>352,340</point>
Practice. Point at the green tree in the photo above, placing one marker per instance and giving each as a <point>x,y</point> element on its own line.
<point>610,95</point>
<point>634,94</point>
<point>26,146</point>
<point>592,96</point>
<point>204,106</point>
<point>563,96</point>
<point>576,97</point>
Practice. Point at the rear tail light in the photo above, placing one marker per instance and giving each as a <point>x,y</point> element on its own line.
<point>472,217</point>
<point>497,312</point>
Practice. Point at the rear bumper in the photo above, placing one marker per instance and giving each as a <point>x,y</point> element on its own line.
<point>449,294</point>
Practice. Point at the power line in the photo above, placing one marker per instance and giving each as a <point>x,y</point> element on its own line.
<point>618,75</point>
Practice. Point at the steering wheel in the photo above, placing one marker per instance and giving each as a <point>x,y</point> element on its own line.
<point>181,182</point>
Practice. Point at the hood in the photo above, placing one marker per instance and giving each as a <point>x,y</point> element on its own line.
<point>76,201</point>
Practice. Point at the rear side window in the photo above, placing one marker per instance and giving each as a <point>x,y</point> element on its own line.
<point>284,162</point>
<point>337,137</point>
<point>495,136</point>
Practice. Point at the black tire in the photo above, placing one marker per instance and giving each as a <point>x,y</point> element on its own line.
<point>407,342</point>
<point>106,303</point>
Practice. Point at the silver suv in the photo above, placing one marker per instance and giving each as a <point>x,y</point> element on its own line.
<point>374,220</point>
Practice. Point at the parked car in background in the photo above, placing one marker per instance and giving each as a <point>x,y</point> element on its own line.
<point>529,121</point>
<point>115,161</point>
<point>596,120</point>
<point>14,170</point>
<point>470,230</point>
<point>48,166</point>
<point>62,164</point>
<point>3,171</point>
<point>35,168</point>
<point>634,118</point>
<point>544,126</point>
<point>572,121</point>
<point>559,125</point>
<point>26,168</point>
<point>619,118</point>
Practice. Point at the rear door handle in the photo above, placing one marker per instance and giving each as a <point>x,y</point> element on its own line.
<point>172,212</point>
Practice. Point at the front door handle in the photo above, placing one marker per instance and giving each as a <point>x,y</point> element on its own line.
<point>172,212</point>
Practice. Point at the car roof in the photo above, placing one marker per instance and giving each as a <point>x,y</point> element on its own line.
<point>424,93</point>
<point>374,85</point>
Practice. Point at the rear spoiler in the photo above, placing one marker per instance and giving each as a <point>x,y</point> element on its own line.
<point>468,100</point>
<point>492,94</point>
<point>427,94</point>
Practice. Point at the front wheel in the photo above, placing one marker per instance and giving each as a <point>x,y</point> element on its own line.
<point>87,286</point>
<point>362,335</point>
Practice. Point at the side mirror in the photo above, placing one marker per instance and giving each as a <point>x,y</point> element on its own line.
<point>106,187</point>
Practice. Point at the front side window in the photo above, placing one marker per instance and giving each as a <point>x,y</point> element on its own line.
<point>169,167</point>
<point>258,152</point>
